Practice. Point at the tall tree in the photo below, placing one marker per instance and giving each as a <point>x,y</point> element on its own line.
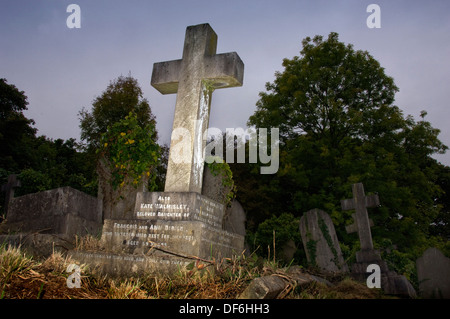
<point>338,126</point>
<point>121,97</point>
<point>15,128</point>
<point>121,129</point>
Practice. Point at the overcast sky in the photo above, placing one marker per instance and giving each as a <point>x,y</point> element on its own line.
<point>62,70</point>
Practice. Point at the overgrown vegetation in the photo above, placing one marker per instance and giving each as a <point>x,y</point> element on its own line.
<point>22,277</point>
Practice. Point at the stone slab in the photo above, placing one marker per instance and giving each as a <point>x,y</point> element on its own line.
<point>433,272</point>
<point>125,265</point>
<point>320,242</point>
<point>62,210</point>
<point>174,206</point>
<point>192,238</point>
<point>38,245</point>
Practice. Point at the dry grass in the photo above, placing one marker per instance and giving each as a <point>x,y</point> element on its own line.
<point>22,277</point>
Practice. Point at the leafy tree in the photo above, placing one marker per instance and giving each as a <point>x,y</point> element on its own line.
<point>121,97</point>
<point>15,129</point>
<point>338,126</point>
<point>41,163</point>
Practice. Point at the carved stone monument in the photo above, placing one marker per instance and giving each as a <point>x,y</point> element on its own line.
<point>194,78</point>
<point>391,282</point>
<point>171,229</point>
<point>49,220</point>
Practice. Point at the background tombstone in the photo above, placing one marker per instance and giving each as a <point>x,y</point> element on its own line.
<point>320,242</point>
<point>391,282</point>
<point>49,220</point>
<point>8,189</point>
<point>117,203</point>
<point>362,223</point>
<point>433,272</point>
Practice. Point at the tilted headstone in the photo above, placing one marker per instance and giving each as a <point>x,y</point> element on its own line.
<point>391,282</point>
<point>320,242</point>
<point>171,229</point>
<point>8,189</point>
<point>433,272</point>
<point>193,78</point>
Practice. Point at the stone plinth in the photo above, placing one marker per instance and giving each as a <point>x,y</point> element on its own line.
<point>169,231</point>
<point>63,210</point>
<point>191,238</point>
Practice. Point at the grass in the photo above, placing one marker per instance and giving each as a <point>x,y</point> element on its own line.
<point>22,277</point>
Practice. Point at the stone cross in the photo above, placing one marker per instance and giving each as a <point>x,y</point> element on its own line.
<point>193,78</point>
<point>362,223</point>
<point>8,188</point>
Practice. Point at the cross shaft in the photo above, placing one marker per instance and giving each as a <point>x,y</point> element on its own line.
<point>193,78</point>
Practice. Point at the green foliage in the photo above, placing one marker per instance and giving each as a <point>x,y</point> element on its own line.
<point>121,97</point>
<point>40,163</point>
<point>222,169</point>
<point>130,150</point>
<point>284,227</point>
<point>338,126</point>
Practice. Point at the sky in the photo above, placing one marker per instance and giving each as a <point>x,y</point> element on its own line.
<point>64,69</point>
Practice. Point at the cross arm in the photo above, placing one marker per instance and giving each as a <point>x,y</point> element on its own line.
<point>225,70</point>
<point>165,76</point>
<point>370,201</point>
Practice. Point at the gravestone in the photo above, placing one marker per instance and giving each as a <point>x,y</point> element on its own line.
<point>360,202</point>
<point>41,219</point>
<point>171,229</point>
<point>321,243</point>
<point>8,189</point>
<point>391,282</point>
<point>194,78</point>
<point>433,272</point>
<point>234,218</point>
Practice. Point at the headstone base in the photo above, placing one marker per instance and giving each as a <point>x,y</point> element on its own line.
<point>127,265</point>
<point>168,231</point>
<point>391,282</point>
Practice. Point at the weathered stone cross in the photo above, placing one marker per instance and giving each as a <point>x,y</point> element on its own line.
<point>362,223</point>
<point>8,188</point>
<point>193,78</point>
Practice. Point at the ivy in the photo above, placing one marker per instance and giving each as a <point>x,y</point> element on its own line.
<point>326,234</point>
<point>220,168</point>
<point>130,150</point>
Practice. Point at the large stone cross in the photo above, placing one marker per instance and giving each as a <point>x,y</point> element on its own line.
<point>8,188</point>
<point>193,78</point>
<point>362,223</point>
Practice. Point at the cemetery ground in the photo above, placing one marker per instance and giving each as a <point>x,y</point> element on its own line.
<point>25,277</point>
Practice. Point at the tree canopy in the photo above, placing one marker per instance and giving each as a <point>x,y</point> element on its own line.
<point>122,96</point>
<point>40,163</point>
<point>334,106</point>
